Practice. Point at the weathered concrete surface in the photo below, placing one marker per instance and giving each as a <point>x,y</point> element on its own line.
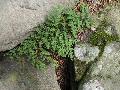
<point>23,76</point>
<point>18,17</point>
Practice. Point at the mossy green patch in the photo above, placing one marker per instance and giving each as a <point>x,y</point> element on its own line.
<point>100,38</point>
<point>80,68</point>
<point>57,34</point>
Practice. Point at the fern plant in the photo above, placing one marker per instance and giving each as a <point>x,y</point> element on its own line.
<point>58,34</point>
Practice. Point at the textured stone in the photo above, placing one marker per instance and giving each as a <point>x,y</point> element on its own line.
<point>23,76</point>
<point>113,17</point>
<point>107,69</point>
<point>19,17</point>
<point>92,85</point>
<point>86,52</point>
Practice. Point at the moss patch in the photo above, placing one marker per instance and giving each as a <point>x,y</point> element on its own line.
<point>100,38</point>
<point>80,68</point>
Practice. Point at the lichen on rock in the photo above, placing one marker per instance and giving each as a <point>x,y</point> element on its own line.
<point>107,69</point>
<point>86,52</point>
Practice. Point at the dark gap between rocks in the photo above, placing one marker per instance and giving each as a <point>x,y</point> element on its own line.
<point>70,74</point>
<point>1,56</point>
<point>65,73</point>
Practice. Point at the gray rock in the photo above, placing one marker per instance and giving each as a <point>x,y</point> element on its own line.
<point>113,17</point>
<point>86,52</point>
<point>19,17</point>
<point>111,14</point>
<point>23,76</point>
<point>92,85</point>
<point>106,70</point>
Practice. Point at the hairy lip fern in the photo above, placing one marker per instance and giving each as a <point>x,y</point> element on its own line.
<point>58,33</point>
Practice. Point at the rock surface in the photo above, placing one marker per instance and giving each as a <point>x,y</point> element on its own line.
<point>106,71</point>
<point>22,76</point>
<point>85,52</point>
<point>113,16</point>
<point>19,17</point>
<point>92,85</point>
